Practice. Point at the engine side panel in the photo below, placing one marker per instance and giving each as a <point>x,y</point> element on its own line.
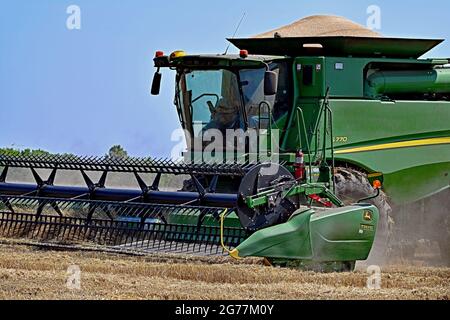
<point>408,141</point>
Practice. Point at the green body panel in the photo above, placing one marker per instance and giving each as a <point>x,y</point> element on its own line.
<point>289,240</point>
<point>341,234</point>
<point>418,182</point>
<point>411,171</point>
<point>410,174</point>
<point>359,121</point>
<point>369,122</point>
<point>343,76</point>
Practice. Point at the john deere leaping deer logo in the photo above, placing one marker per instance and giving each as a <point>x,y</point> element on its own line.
<point>367,215</point>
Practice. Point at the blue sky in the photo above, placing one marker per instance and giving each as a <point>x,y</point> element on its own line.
<point>82,91</point>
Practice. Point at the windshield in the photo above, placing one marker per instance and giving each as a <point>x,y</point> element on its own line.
<point>212,99</point>
<point>230,98</point>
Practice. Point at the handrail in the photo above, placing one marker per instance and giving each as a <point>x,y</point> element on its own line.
<point>322,108</point>
<point>330,112</point>
<point>327,114</point>
<point>269,129</point>
<point>328,124</point>
<point>300,113</point>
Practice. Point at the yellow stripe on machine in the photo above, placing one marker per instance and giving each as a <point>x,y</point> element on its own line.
<point>396,145</point>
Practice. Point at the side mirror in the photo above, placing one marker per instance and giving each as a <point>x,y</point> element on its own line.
<point>156,84</point>
<point>270,83</point>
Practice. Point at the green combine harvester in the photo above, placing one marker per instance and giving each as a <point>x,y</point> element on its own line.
<point>297,150</point>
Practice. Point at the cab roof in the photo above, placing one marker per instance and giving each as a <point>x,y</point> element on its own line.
<point>251,57</point>
<point>339,46</point>
<point>215,60</point>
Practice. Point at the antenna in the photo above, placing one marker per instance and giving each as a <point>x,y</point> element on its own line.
<point>235,31</point>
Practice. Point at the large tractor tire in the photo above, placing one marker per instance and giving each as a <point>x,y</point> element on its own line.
<point>351,186</point>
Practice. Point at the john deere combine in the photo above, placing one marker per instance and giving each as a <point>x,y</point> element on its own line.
<point>288,149</point>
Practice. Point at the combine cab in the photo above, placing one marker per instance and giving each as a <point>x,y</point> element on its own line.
<point>288,151</point>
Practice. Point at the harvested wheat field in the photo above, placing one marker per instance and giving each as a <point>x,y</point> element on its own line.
<point>29,272</point>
